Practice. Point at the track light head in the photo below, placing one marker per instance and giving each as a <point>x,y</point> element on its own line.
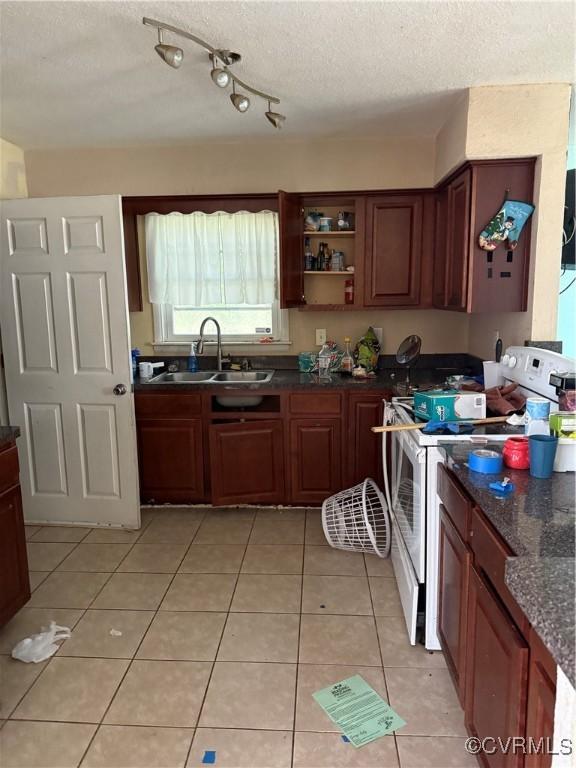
<point>172,55</point>
<point>275,118</point>
<point>221,77</point>
<point>241,102</point>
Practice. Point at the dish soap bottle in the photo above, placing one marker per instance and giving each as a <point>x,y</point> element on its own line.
<point>347,364</point>
<point>192,359</point>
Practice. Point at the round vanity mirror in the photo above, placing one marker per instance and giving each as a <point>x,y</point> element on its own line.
<point>409,350</point>
<point>408,353</point>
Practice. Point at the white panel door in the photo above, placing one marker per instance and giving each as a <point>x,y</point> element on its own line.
<point>65,331</point>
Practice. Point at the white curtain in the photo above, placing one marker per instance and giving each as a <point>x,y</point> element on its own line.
<point>200,259</point>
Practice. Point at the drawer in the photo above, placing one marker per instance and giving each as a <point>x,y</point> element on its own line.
<point>9,474</point>
<point>162,405</point>
<point>325,404</point>
<point>490,555</point>
<point>458,505</point>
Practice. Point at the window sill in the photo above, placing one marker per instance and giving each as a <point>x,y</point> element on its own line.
<point>230,346</point>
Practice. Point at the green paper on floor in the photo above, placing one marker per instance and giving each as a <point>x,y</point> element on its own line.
<point>360,713</point>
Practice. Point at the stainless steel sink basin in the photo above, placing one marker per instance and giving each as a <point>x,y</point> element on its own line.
<point>242,377</point>
<point>213,377</point>
<point>184,377</point>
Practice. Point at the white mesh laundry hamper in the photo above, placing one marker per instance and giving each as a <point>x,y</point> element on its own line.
<point>357,519</point>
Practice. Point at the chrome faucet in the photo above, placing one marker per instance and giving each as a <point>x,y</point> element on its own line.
<point>200,344</point>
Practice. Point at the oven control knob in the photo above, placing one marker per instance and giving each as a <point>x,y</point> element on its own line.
<point>512,362</point>
<point>505,359</point>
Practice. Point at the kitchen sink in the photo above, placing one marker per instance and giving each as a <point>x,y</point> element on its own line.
<point>213,377</point>
<point>242,377</point>
<point>184,377</point>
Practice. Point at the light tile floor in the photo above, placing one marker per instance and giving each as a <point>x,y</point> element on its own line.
<point>229,621</point>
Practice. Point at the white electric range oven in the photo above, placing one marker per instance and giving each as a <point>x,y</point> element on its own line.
<point>413,478</point>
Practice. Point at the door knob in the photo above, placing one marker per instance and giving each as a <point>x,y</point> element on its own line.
<point>120,389</point>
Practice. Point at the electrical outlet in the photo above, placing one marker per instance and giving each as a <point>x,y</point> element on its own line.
<point>320,336</point>
<point>378,332</point>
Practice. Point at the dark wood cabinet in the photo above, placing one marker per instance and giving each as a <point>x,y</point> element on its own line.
<point>453,574</point>
<point>541,703</point>
<point>247,462</point>
<point>457,244</point>
<point>394,248</point>
<point>364,448</point>
<point>504,675</point>
<point>291,250</point>
<point>467,278</point>
<point>315,459</point>
<point>14,581</point>
<point>171,459</point>
<point>496,673</point>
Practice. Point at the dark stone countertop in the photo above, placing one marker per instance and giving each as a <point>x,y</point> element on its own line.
<point>538,523</point>
<point>8,435</point>
<point>291,379</point>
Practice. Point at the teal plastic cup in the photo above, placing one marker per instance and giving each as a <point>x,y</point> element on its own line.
<point>542,454</point>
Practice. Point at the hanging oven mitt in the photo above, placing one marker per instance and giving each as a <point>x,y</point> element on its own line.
<point>506,225</point>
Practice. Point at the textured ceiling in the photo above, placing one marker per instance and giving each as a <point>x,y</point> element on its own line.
<point>86,74</point>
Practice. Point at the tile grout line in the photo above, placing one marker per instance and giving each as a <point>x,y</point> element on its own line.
<point>200,709</point>
<point>298,646</point>
<point>83,612</point>
<point>380,653</point>
<point>131,661</point>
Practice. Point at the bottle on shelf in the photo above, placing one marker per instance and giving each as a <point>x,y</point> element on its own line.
<point>347,364</point>
<point>349,292</point>
<point>327,258</point>
<point>320,258</point>
<point>308,255</point>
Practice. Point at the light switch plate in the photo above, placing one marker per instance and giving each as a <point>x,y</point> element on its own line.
<point>320,336</point>
<point>378,332</point>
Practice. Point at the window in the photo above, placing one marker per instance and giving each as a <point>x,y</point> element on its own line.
<point>222,265</point>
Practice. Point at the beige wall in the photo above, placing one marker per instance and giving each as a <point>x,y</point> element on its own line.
<point>261,167</point>
<point>450,150</point>
<point>516,121</point>
<point>12,171</point>
<point>227,168</point>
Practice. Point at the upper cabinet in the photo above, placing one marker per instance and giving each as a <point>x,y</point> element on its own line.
<point>290,235</point>
<point>466,277</point>
<point>402,249</point>
<point>394,250</point>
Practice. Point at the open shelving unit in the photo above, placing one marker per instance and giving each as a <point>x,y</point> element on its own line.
<point>328,295</point>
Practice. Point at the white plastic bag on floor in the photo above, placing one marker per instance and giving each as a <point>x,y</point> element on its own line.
<point>41,646</point>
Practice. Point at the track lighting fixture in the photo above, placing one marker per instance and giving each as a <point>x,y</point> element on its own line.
<point>241,102</point>
<point>169,53</point>
<point>221,59</point>
<point>274,117</point>
<point>221,77</point>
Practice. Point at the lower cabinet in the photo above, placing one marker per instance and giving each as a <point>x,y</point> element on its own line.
<point>496,674</point>
<point>315,459</point>
<point>504,675</point>
<point>247,462</point>
<point>299,449</point>
<point>171,460</point>
<point>541,702</point>
<point>453,573</point>
<point>14,581</point>
<point>364,447</point>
